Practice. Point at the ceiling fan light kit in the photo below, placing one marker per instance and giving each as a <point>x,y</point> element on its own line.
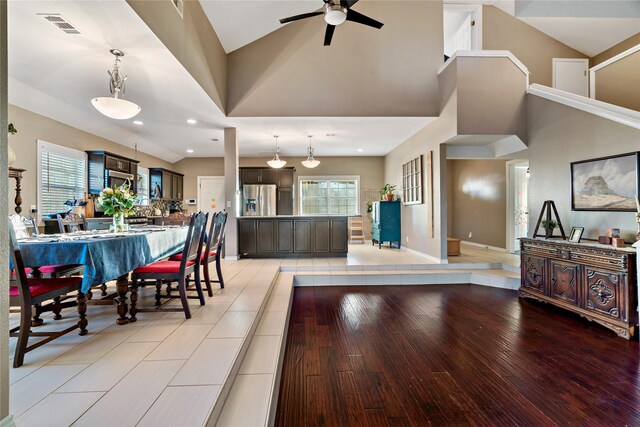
<point>336,13</point>
<point>310,162</point>
<point>276,163</point>
<point>113,106</point>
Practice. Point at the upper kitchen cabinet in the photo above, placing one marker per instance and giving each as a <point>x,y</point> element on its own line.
<point>110,170</point>
<point>279,177</point>
<point>166,184</point>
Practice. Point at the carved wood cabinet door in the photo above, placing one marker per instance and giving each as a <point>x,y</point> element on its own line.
<point>564,281</point>
<point>533,273</point>
<point>604,293</point>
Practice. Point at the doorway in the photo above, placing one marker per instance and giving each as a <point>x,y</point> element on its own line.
<point>517,203</point>
<point>571,75</point>
<point>211,194</point>
<point>462,28</point>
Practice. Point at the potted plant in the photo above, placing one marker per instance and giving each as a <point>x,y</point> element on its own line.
<point>549,226</point>
<point>386,192</point>
<point>118,202</point>
<point>12,155</point>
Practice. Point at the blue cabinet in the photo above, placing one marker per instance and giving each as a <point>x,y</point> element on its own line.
<point>386,223</point>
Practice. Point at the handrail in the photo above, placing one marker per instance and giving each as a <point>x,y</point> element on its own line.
<point>486,54</point>
<point>618,57</point>
<point>605,110</point>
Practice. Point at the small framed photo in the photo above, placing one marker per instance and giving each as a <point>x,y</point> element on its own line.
<point>576,234</point>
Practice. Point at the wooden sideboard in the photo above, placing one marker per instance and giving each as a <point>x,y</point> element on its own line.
<point>598,282</point>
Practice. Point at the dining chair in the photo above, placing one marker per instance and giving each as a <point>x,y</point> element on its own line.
<point>71,223</point>
<point>168,271</point>
<point>27,292</point>
<point>213,250</point>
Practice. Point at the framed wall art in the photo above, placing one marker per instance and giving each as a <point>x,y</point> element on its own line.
<point>606,184</point>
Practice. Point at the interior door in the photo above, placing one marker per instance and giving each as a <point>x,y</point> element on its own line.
<point>211,194</point>
<point>571,75</point>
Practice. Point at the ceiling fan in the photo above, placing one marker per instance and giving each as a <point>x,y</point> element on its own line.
<point>334,15</point>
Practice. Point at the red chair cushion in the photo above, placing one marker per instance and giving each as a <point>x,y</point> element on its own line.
<point>178,257</point>
<point>162,267</point>
<point>42,286</point>
<point>52,269</point>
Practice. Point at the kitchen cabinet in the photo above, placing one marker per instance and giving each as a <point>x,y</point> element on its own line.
<point>259,176</point>
<point>169,184</point>
<point>595,281</point>
<point>284,202</point>
<point>385,224</point>
<point>285,177</point>
<point>100,163</point>
<point>292,236</point>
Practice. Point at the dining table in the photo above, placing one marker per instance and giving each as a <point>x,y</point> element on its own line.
<point>106,256</point>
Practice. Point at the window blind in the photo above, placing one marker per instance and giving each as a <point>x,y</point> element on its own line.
<point>337,196</point>
<point>62,176</point>
<point>143,186</point>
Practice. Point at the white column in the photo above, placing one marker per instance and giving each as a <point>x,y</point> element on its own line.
<point>231,191</point>
<point>637,246</point>
<point>4,223</point>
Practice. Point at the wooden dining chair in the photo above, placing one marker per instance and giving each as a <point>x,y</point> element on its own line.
<point>71,223</point>
<point>27,292</point>
<point>175,271</point>
<point>212,251</point>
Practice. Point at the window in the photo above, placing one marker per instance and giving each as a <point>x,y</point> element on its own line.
<point>62,175</point>
<point>329,195</point>
<point>143,186</point>
<point>412,182</point>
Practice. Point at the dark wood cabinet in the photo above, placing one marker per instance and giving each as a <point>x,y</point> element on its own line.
<point>250,176</point>
<point>285,177</point>
<point>284,203</point>
<point>169,184</point>
<point>269,176</point>
<point>100,163</point>
<point>596,281</point>
<point>293,236</point>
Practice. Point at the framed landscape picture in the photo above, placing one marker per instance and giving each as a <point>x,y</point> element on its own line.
<point>606,184</point>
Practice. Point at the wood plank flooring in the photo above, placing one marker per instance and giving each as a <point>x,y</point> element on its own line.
<point>450,355</point>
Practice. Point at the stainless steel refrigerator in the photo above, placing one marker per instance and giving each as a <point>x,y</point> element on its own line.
<point>258,200</point>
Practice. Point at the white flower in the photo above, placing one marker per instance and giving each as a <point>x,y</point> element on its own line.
<point>126,195</point>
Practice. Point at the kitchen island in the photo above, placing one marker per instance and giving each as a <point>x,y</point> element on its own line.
<point>293,236</point>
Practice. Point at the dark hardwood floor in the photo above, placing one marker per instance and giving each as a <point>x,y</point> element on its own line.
<point>450,355</point>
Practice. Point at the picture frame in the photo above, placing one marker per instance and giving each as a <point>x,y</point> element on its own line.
<point>576,234</point>
<point>608,184</point>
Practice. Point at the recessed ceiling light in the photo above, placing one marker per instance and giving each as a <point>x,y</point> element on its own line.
<point>192,121</point>
<point>137,122</point>
<point>189,150</point>
<point>360,150</point>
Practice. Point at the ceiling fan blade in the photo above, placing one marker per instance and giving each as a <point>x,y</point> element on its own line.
<point>354,16</point>
<point>299,17</point>
<point>328,35</point>
<point>348,3</point>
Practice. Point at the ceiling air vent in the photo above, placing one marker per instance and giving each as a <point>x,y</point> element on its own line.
<point>60,22</point>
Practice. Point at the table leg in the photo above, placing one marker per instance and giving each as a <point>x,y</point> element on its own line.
<point>133,310</point>
<point>82,310</point>
<point>122,286</point>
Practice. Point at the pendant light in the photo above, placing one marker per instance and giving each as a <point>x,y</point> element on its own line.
<point>114,106</point>
<point>310,162</point>
<point>276,163</point>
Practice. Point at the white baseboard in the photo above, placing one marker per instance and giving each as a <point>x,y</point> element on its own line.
<point>423,255</point>
<point>7,422</point>
<point>483,246</point>
<point>231,258</point>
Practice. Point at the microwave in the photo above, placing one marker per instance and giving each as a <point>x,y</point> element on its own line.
<point>116,179</point>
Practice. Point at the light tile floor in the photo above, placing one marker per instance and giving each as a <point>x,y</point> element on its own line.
<point>163,370</point>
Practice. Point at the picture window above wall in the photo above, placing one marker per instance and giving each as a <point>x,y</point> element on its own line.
<point>412,182</point>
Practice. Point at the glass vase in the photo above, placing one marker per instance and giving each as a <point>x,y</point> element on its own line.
<point>118,223</point>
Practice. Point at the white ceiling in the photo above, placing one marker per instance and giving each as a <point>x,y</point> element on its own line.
<point>56,75</point>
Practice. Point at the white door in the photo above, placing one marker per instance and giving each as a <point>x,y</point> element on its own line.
<point>211,194</point>
<point>571,75</point>
<point>517,203</point>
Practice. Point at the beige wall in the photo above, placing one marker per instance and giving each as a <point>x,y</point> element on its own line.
<point>191,40</point>
<point>478,201</point>
<point>615,50</point>
<point>619,83</point>
<point>501,31</point>
<point>559,135</point>
<point>32,127</point>
<point>365,72</point>
<point>192,168</point>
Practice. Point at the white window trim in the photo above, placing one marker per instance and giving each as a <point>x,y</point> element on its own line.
<point>60,149</point>
<point>355,178</point>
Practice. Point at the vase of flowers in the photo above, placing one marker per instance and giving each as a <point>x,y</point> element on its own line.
<point>117,202</point>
